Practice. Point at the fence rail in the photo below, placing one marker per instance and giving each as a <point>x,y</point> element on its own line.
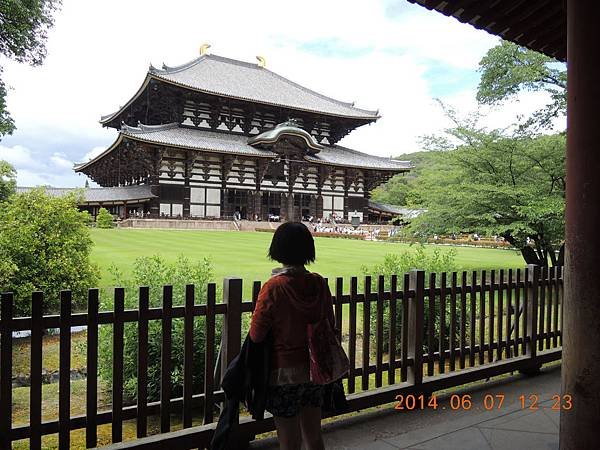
<point>403,334</point>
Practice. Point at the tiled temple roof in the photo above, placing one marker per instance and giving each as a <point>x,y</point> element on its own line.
<point>241,80</point>
<point>342,156</point>
<point>172,135</point>
<point>104,195</point>
<point>406,213</point>
<point>238,79</point>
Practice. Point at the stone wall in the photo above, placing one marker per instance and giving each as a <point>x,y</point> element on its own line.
<point>179,224</point>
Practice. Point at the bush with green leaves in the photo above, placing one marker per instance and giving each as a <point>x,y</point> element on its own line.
<point>87,217</point>
<point>8,180</point>
<point>46,246</point>
<point>104,219</point>
<point>155,272</point>
<point>398,264</point>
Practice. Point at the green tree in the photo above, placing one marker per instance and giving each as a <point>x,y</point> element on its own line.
<point>8,180</point>
<point>87,217</point>
<point>155,272</point>
<point>401,189</point>
<point>104,219</point>
<point>46,246</point>
<point>507,70</point>
<point>510,184</point>
<point>25,26</point>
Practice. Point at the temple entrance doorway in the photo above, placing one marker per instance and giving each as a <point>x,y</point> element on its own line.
<point>238,201</point>
<point>271,202</point>
<point>302,204</point>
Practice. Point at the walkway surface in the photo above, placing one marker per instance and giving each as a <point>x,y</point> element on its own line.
<point>510,427</point>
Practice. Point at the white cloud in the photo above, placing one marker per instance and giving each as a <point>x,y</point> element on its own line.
<point>19,157</point>
<point>93,153</point>
<point>34,170</point>
<point>59,160</point>
<point>97,61</point>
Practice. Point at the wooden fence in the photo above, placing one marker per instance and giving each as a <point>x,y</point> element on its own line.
<point>415,335</point>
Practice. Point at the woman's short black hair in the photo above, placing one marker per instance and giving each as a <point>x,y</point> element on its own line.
<point>292,245</point>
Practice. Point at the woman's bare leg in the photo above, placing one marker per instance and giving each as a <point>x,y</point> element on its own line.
<point>310,423</point>
<point>288,432</point>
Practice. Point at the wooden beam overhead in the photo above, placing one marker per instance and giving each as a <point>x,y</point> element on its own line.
<point>540,25</point>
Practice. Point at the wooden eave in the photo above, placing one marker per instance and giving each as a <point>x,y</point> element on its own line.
<point>80,167</point>
<point>389,170</point>
<point>539,25</point>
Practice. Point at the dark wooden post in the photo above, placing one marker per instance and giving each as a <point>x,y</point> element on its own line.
<point>35,391</point>
<point>232,323</point>
<point>91,402</point>
<point>282,207</point>
<point>6,312</point>
<point>415,326</point>
<point>581,340</point>
<point>531,325</point>
<point>165,359</point>
<point>117,366</point>
<point>188,355</point>
<point>291,215</point>
<point>319,207</point>
<point>187,175</point>
<point>64,365</point>
<point>156,158</point>
<point>258,204</point>
<point>313,206</point>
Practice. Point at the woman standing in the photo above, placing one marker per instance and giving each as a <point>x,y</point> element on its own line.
<point>287,303</point>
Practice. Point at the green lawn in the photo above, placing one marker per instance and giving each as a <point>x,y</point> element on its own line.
<point>243,254</point>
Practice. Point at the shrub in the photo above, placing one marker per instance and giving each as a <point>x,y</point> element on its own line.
<point>104,219</point>
<point>155,272</point>
<point>87,218</point>
<point>45,246</point>
<point>8,180</point>
<point>399,264</point>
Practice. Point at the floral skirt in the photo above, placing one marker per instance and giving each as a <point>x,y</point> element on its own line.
<point>287,400</point>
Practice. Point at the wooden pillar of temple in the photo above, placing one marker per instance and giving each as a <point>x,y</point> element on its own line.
<point>258,204</point>
<point>248,210</point>
<point>579,426</point>
<point>187,170</point>
<point>283,215</point>
<point>155,166</point>
<point>346,190</point>
<point>319,197</point>
<point>319,202</point>
<point>313,206</point>
<point>226,166</point>
<point>292,173</point>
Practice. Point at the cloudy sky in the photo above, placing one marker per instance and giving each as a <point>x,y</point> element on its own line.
<point>385,54</point>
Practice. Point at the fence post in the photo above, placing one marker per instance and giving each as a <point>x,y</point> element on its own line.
<point>415,326</point>
<point>232,323</point>
<point>6,309</point>
<point>532,286</point>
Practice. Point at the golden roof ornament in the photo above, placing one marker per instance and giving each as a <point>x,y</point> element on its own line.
<point>262,62</point>
<point>204,49</point>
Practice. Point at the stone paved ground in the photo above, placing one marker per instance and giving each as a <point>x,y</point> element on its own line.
<point>510,427</point>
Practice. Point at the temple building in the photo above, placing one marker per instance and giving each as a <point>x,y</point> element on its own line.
<point>221,138</point>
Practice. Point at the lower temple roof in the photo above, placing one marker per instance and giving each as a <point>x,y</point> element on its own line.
<point>385,208</point>
<point>174,135</point>
<point>101,195</point>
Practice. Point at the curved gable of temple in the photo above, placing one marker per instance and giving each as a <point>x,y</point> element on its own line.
<point>288,139</point>
<point>218,138</point>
